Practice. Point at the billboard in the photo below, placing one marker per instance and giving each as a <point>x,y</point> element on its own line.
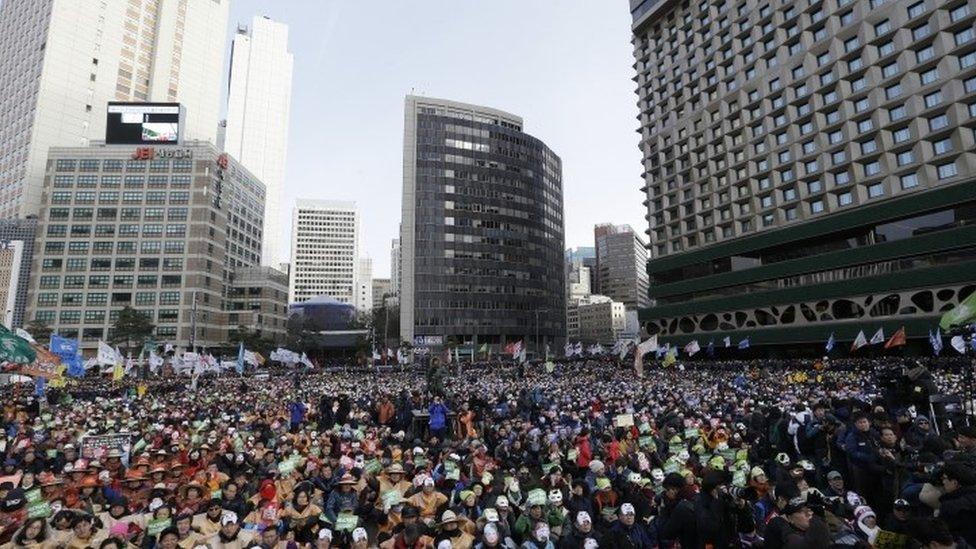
<point>143,124</point>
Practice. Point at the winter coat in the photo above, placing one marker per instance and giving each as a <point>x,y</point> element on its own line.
<point>958,510</point>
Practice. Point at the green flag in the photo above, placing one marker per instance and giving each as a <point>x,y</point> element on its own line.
<point>963,313</point>
<point>14,348</point>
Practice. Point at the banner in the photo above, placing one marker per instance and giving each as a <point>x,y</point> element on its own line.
<point>106,354</point>
<point>14,348</point>
<point>96,447</point>
<point>961,314</point>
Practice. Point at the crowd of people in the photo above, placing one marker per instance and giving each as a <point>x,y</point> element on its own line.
<point>777,454</point>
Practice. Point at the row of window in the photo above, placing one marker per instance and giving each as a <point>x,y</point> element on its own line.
<point>162,316</point>
<point>62,181</point>
<point>105,248</point>
<point>128,197</point>
<point>116,165</point>
<point>111,214</point>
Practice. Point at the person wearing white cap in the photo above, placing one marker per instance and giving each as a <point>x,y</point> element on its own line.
<point>230,535</point>
<point>359,538</point>
<point>449,530</point>
<point>627,532</point>
<point>579,531</point>
<point>324,540</point>
<point>428,500</point>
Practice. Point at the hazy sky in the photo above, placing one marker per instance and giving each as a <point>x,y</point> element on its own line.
<point>563,65</point>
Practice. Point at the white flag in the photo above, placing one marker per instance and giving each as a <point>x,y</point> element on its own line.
<point>860,341</point>
<point>168,348</point>
<point>644,347</point>
<point>306,361</point>
<point>958,343</point>
<point>23,334</point>
<point>727,341</point>
<point>155,361</point>
<point>878,337</point>
<point>692,347</point>
<point>106,354</point>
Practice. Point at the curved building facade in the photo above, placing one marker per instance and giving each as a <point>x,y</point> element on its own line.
<point>482,233</point>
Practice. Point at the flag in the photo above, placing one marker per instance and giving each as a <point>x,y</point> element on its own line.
<point>568,350</point>
<point>710,350</point>
<point>39,384</point>
<point>168,348</point>
<point>744,344</point>
<point>155,361</point>
<point>958,343</point>
<point>578,348</point>
<point>642,349</point>
<point>692,347</point>
<point>547,352</point>
<point>671,357</point>
<point>240,359</point>
<point>728,341</point>
<point>897,340</point>
<point>963,313</point>
<point>830,343</point>
<point>308,363</point>
<point>457,355</point>
<point>117,371</point>
<point>14,348</point>
<point>376,355</point>
<point>878,337</point>
<point>106,354</point>
<point>859,341</point>
<point>623,349</point>
<point>937,342</point>
<point>22,333</point>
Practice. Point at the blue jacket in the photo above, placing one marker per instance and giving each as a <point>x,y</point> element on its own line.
<point>297,412</point>
<point>438,416</point>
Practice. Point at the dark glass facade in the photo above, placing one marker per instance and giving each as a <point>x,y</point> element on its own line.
<point>487,227</point>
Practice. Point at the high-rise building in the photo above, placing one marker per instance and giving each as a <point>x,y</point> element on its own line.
<point>162,230</point>
<point>807,168</point>
<point>578,280</point>
<point>381,290</point>
<point>364,284</point>
<point>324,251</point>
<point>621,265</point>
<point>23,231</point>
<point>11,260</point>
<point>258,301</point>
<point>258,112</point>
<point>63,61</point>
<point>601,320</point>
<point>482,229</point>
<point>395,270</point>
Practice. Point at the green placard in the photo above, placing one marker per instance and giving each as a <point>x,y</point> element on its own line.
<point>40,509</point>
<point>217,494</point>
<point>450,466</point>
<point>691,432</point>
<point>346,522</point>
<point>419,461</point>
<point>390,498</point>
<point>646,442</point>
<point>739,479</point>
<point>373,466</point>
<point>33,496</point>
<point>454,474</point>
<point>571,455</point>
<point>645,428</point>
<point>154,527</point>
<point>287,467</point>
<point>546,467</point>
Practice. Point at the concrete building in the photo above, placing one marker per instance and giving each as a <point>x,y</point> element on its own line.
<point>621,265</point>
<point>572,313</point>
<point>23,231</point>
<point>258,301</point>
<point>62,61</point>
<point>162,230</point>
<point>395,270</point>
<point>482,229</point>
<point>578,280</point>
<point>364,284</point>
<point>11,260</point>
<point>258,114</point>
<point>324,251</point>
<point>381,291</point>
<point>807,168</point>
<point>601,320</point>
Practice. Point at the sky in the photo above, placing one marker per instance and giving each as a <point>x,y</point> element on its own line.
<point>564,66</point>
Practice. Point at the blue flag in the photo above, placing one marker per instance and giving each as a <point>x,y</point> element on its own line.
<point>63,346</point>
<point>936,341</point>
<point>710,350</point>
<point>744,344</point>
<point>240,359</point>
<point>830,343</point>
<point>40,383</point>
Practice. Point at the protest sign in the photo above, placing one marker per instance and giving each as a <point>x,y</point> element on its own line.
<point>97,447</point>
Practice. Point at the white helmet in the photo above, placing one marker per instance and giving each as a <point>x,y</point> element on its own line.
<point>555,497</point>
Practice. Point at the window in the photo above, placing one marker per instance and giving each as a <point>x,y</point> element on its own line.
<point>947,171</point>
<point>930,76</point>
<point>924,54</point>
<point>916,9</point>
<point>868,147</point>
<point>766,201</point>
<point>905,158</point>
<point>768,219</point>
<point>897,113</point>
<point>872,168</point>
<point>826,78</point>
<point>967,60</point>
<point>859,84</point>
<point>883,27</point>
<point>901,135</point>
<point>893,91</point>
<point>845,199</point>
<point>909,181</point>
<point>875,190</point>
<point>862,104</point>
<point>810,147</point>
<point>842,178</point>
<point>865,125</point>
<point>819,34</point>
<point>814,187</point>
<point>889,70</point>
<point>789,194</point>
<point>798,72</point>
<point>958,13</point>
<point>933,99</point>
<point>835,137</point>
<point>784,156</point>
<point>811,167</point>
<point>790,213</point>
<point>830,97</point>
<point>937,123</point>
<point>817,206</point>
<point>855,65</point>
<point>965,36</point>
<point>846,18</point>
<point>838,157</point>
<point>942,146</point>
<point>970,84</point>
<point>886,48</point>
<point>921,31</point>
<point>852,44</point>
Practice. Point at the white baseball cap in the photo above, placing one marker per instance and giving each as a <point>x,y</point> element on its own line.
<point>582,517</point>
<point>359,534</point>
<point>627,509</point>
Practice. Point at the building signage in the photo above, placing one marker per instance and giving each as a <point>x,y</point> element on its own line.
<point>152,153</point>
<point>428,341</point>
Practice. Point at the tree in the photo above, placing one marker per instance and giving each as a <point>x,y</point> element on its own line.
<point>300,332</point>
<point>131,327</point>
<point>40,330</point>
<point>252,339</point>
